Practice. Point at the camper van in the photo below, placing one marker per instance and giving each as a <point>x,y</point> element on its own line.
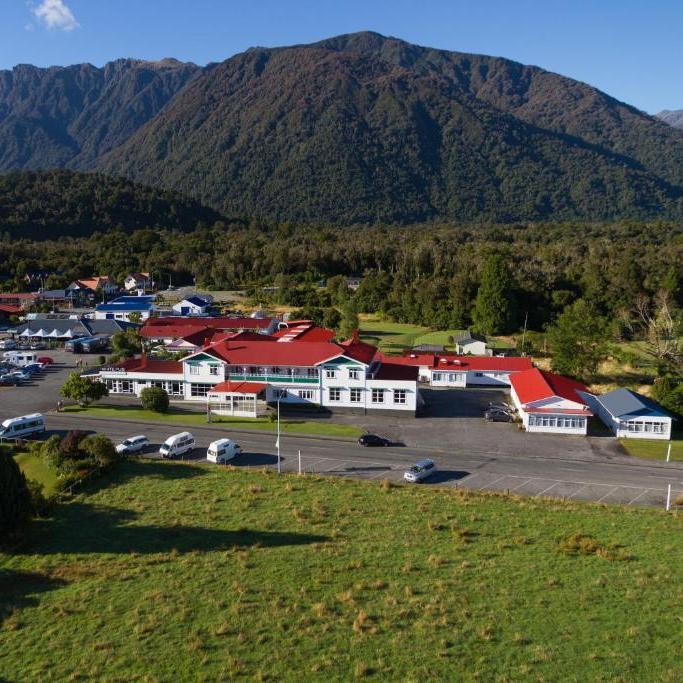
<point>177,445</point>
<point>20,358</point>
<point>17,427</point>
<point>223,450</point>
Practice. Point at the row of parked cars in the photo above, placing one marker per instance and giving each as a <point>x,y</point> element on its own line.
<point>219,451</point>
<point>12,345</point>
<point>13,374</point>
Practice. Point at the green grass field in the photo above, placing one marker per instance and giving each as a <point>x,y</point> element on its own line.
<point>187,417</point>
<point>184,572</point>
<point>653,450</point>
<point>36,468</point>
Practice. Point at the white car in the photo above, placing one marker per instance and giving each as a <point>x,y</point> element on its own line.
<point>177,445</point>
<point>134,444</point>
<point>420,471</point>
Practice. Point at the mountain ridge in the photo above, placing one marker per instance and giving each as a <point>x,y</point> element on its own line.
<point>361,128</point>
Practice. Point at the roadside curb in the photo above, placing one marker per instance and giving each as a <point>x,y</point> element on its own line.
<point>213,426</point>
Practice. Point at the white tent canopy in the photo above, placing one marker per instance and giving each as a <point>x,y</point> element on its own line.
<point>55,333</point>
<point>40,333</point>
<point>26,333</point>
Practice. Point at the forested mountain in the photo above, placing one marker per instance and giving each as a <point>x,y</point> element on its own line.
<point>70,116</point>
<point>365,129</point>
<point>51,204</point>
<point>673,118</point>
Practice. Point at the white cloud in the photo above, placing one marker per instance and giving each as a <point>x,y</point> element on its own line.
<point>55,14</point>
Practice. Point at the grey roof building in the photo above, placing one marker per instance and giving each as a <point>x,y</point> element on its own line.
<point>61,328</point>
<point>632,415</point>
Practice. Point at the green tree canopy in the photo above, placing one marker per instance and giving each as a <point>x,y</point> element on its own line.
<point>349,321</point>
<point>15,497</point>
<point>83,390</point>
<point>577,340</point>
<point>494,310</point>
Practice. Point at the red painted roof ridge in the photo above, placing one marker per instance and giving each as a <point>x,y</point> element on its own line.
<point>535,385</point>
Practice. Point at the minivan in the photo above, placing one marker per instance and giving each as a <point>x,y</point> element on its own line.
<point>223,450</point>
<point>177,445</point>
<point>420,471</point>
<point>25,425</point>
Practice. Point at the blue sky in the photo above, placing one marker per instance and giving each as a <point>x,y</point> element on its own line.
<point>632,49</point>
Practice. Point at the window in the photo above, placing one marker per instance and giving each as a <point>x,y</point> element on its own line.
<point>200,389</point>
<point>335,394</point>
<point>306,394</point>
<point>194,369</point>
<point>354,373</point>
<point>378,395</point>
<point>279,394</point>
<point>356,395</point>
<point>330,373</point>
<point>400,396</point>
<point>213,369</point>
<point>437,376</point>
<point>174,388</point>
<point>478,374</point>
<point>312,372</point>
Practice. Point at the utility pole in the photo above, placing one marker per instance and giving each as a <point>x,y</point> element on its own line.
<point>299,462</point>
<point>668,498</point>
<point>668,452</point>
<point>526,318</point>
<point>277,443</point>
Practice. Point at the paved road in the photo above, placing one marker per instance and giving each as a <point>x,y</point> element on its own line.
<point>571,474</point>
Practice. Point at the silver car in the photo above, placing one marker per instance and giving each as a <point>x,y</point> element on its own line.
<point>419,471</point>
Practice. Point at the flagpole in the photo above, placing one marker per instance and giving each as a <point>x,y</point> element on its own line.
<point>279,469</point>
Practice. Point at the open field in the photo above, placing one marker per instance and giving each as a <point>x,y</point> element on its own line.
<point>393,337</point>
<point>35,468</point>
<point>653,450</point>
<point>184,572</point>
<point>189,418</point>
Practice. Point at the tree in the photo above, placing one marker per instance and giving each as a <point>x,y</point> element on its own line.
<point>126,344</point>
<point>668,391</point>
<point>15,496</point>
<point>493,311</point>
<point>349,321</point>
<point>83,390</point>
<point>656,319</point>
<point>100,449</point>
<point>154,398</point>
<point>577,340</point>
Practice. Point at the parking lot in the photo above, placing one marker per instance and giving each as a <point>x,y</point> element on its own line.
<point>41,392</point>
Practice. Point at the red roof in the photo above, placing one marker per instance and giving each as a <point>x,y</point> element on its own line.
<point>10,310</point>
<point>359,350</point>
<point>144,364</point>
<point>536,385</point>
<point>274,352</point>
<point>304,330</point>
<point>454,362</point>
<point>19,295</point>
<point>239,388</point>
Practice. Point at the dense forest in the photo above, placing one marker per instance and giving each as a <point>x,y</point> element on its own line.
<point>50,204</point>
<point>425,274</point>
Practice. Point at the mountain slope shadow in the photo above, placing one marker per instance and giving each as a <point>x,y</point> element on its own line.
<point>82,528</point>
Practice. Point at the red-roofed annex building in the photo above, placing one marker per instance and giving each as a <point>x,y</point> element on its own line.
<point>351,376</point>
<point>550,403</point>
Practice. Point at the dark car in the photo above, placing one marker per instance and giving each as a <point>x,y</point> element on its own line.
<point>373,440</point>
<point>494,415</point>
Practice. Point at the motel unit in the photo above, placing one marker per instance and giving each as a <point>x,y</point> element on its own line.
<point>170,328</point>
<point>450,370</point>
<point>348,376</point>
<point>550,403</point>
<point>631,415</point>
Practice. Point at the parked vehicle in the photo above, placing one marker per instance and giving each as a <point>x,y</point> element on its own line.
<point>8,381</point>
<point>496,415</point>
<point>8,345</point>
<point>21,375</point>
<point>420,471</point>
<point>500,405</point>
<point>223,450</point>
<point>45,360</point>
<point>38,346</point>
<point>177,445</point>
<point>20,358</point>
<point>25,425</point>
<point>373,440</point>
<point>134,444</point>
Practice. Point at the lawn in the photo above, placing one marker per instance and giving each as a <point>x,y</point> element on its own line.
<point>653,450</point>
<point>185,572</point>
<point>36,468</point>
<point>188,417</point>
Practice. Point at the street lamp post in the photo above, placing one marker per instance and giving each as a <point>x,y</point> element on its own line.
<point>277,443</point>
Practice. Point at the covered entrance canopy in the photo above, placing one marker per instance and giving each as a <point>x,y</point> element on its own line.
<point>243,399</point>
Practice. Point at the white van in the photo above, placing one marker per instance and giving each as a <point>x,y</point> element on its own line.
<point>223,450</point>
<point>7,344</point>
<point>176,445</point>
<point>20,358</point>
<point>25,425</point>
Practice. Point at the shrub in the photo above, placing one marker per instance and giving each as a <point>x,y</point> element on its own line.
<point>70,445</point>
<point>15,497</point>
<point>83,390</point>
<point>100,449</point>
<point>40,505</point>
<point>154,398</point>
